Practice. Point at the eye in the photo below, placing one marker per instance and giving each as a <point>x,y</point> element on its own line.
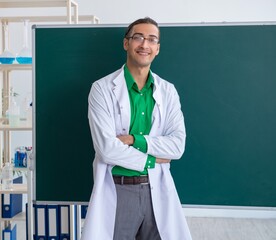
<point>153,40</point>
<point>138,38</point>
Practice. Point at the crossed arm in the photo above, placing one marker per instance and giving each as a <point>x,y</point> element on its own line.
<point>129,140</point>
<point>163,148</point>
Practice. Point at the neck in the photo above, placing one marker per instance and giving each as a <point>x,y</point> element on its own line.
<point>139,74</point>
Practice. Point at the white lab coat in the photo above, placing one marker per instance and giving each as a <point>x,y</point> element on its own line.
<point>109,116</point>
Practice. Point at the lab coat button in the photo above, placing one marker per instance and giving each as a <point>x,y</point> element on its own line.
<point>143,113</point>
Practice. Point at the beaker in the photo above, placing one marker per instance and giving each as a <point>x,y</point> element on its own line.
<point>25,55</point>
<point>6,57</point>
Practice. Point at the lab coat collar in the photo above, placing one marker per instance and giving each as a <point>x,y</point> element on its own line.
<point>121,93</point>
<point>157,95</point>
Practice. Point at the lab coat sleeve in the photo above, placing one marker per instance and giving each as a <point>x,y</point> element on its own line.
<point>171,143</point>
<point>107,146</point>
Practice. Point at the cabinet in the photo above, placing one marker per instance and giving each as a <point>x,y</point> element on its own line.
<point>7,74</point>
<point>5,127</point>
<point>6,130</point>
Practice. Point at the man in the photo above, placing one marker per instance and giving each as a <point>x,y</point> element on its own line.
<point>137,128</point>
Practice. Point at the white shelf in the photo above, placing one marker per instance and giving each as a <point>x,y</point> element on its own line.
<point>16,189</point>
<point>20,168</point>
<point>35,3</point>
<point>68,4</point>
<point>18,217</point>
<point>15,66</point>
<point>23,126</point>
<point>82,18</point>
<point>8,128</point>
<point>71,16</point>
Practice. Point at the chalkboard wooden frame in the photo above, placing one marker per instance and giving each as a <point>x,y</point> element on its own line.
<point>225,75</point>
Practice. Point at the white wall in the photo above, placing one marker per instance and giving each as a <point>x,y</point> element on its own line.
<point>164,11</point>
<point>177,11</point>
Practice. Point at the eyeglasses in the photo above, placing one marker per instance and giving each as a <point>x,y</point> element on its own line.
<point>140,39</point>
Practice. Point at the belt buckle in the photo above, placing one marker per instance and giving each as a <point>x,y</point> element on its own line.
<point>146,183</point>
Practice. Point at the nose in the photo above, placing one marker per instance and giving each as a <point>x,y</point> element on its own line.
<point>144,43</point>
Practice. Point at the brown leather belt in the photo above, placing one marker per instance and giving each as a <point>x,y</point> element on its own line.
<point>131,180</point>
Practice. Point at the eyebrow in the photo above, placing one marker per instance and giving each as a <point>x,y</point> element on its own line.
<point>151,35</point>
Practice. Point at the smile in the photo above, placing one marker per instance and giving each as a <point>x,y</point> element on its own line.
<point>143,53</point>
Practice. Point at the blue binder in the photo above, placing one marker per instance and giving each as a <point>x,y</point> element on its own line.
<point>40,222</point>
<point>83,211</point>
<point>27,217</point>
<point>64,221</point>
<point>53,222</point>
<point>27,227</point>
<point>12,203</point>
<point>9,233</point>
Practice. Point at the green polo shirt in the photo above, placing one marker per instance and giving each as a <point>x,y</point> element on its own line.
<point>141,104</point>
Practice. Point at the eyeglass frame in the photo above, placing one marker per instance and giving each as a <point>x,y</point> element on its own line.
<point>138,35</point>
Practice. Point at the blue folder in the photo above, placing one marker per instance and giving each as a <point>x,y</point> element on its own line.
<point>27,227</point>
<point>9,233</point>
<point>40,222</point>
<point>83,211</point>
<point>64,221</point>
<point>12,203</point>
<point>53,222</point>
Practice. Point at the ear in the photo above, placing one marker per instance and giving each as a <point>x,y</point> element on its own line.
<point>125,43</point>
<point>158,49</point>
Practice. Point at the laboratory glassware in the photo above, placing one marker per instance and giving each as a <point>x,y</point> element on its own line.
<point>25,55</point>
<point>7,57</point>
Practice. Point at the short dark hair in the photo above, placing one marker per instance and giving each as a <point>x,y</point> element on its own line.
<point>147,20</point>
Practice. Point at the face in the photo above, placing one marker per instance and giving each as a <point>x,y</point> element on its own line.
<point>141,53</point>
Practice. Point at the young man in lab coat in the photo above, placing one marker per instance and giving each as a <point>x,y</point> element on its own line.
<point>137,128</point>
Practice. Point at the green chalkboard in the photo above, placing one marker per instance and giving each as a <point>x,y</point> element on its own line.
<point>226,78</point>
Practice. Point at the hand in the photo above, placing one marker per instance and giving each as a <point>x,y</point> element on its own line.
<point>126,139</point>
<point>162,160</point>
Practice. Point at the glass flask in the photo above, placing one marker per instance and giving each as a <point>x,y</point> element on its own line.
<point>6,57</point>
<point>25,55</point>
<point>7,176</point>
<point>13,112</point>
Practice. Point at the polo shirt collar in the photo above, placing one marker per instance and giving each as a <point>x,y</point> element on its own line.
<point>130,80</point>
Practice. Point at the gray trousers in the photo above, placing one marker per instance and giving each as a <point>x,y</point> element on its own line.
<point>134,214</point>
